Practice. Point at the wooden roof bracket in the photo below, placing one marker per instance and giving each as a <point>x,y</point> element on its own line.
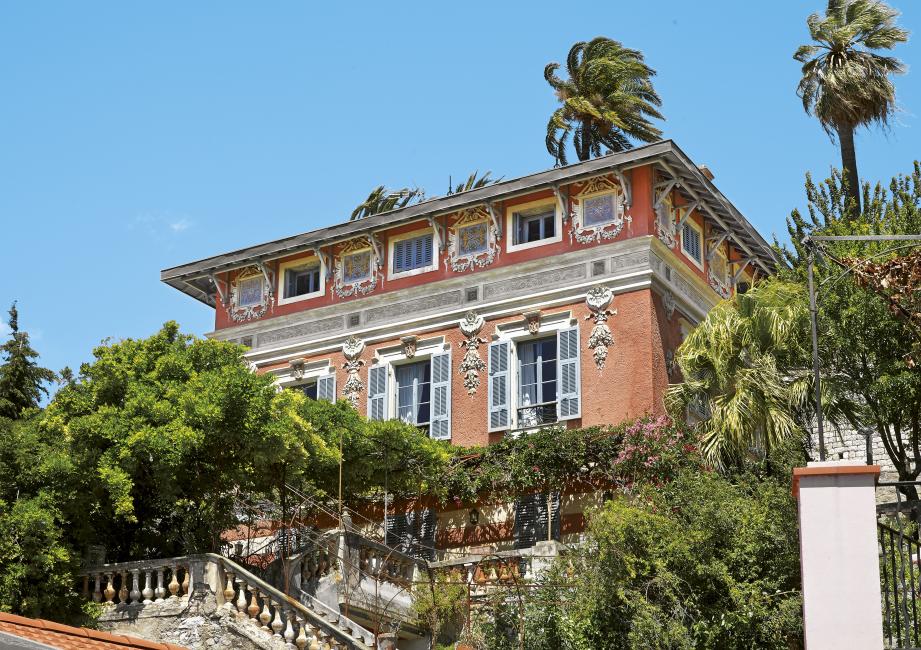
<point>438,229</point>
<point>738,274</point>
<point>496,222</point>
<point>706,208</point>
<point>218,290</point>
<point>715,243</point>
<point>562,200</point>
<point>686,212</point>
<point>627,187</point>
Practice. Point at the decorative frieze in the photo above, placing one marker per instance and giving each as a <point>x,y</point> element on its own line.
<point>598,300</point>
<point>250,294</point>
<point>310,328</point>
<point>358,267</point>
<point>471,365</point>
<point>534,281</point>
<point>597,212</point>
<point>417,305</point>
<point>472,241</point>
<point>352,348</point>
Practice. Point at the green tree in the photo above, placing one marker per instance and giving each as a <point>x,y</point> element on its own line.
<point>383,200</point>
<point>845,82</point>
<point>607,101</point>
<point>22,380</point>
<point>473,182</point>
<point>704,561</point>
<point>748,365</point>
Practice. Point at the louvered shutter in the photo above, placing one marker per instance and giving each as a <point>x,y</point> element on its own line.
<point>498,386</point>
<point>399,256</point>
<point>427,250</point>
<point>569,403</point>
<point>397,534</point>
<point>326,387</point>
<point>377,393</point>
<point>531,519</point>
<point>440,427</point>
<point>425,546</point>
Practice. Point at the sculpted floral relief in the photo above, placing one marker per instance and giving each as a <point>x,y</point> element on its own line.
<point>352,349</point>
<point>472,241</point>
<point>597,211</point>
<point>666,219</point>
<point>598,300</point>
<point>472,365</point>
<point>250,295</point>
<point>358,267</point>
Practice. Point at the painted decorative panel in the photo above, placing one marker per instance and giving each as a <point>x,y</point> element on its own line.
<point>598,211</point>
<point>472,241</point>
<point>250,294</point>
<point>358,267</point>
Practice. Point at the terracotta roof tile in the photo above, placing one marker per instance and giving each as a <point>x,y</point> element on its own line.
<point>67,637</point>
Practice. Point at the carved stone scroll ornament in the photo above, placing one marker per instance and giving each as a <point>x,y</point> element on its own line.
<point>666,219</point>
<point>532,318</point>
<point>597,212</point>
<point>297,368</point>
<point>670,365</point>
<point>668,301</point>
<point>250,295</point>
<point>352,348</point>
<point>471,365</point>
<point>358,267</point>
<point>472,241</point>
<point>598,299</point>
<point>409,346</point>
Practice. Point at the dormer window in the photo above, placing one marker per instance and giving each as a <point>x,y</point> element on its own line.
<point>412,253</point>
<point>534,225</point>
<point>302,280</point>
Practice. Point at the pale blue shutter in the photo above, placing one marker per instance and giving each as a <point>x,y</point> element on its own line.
<point>399,256</point>
<point>498,386</point>
<point>427,250</point>
<point>326,387</point>
<point>440,426</point>
<point>377,393</point>
<point>569,404</point>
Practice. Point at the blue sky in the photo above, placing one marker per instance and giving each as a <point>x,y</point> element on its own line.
<point>136,136</point>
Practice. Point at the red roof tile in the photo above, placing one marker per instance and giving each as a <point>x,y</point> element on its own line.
<point>67,637</point>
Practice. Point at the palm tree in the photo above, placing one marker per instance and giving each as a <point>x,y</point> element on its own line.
<point>748,366</point>
<point>383,200</point>
<point>607,100</point>
<point>846,84</point>
<point>474,181</point>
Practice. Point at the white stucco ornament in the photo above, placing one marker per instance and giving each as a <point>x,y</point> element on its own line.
<point>598,300</point>
<point>471,365</point>
<point>352,348</point>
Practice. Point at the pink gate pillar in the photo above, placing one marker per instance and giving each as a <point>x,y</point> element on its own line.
<point>839,555</point>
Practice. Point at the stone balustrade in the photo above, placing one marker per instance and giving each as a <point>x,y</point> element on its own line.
<point>251,600</point>
<point>384,563</point>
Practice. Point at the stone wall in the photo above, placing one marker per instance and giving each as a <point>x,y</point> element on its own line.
<point>849,444</point>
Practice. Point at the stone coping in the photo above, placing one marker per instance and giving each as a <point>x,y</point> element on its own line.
<point>832,470</point>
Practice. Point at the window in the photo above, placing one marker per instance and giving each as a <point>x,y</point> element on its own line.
<point>356,267</point>
<point>531,520</point>
<point>535,225</point>
<point>309,389</point>
<point>250,291</point>
<point>413,382</point>
<point>691,241</point>
<point>597,210</point>
<point>537,389</point>
<point>302,280</point>
<point>413,253</point>
<point>472,239</point>
<point>413,533</point>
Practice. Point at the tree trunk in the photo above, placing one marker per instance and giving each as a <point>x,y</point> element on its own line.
<point>584,150</point>
<point>849,168</point>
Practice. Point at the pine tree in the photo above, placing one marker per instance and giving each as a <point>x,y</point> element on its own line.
<point>22,380</point>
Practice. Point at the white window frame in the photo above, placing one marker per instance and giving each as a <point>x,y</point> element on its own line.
<point>301,261</point>
<point>703,242</point>
<point>515,333</point>
<point>311,373</point>
<point>391,274</point>
<point>510,230</point>
<point>392,357</point>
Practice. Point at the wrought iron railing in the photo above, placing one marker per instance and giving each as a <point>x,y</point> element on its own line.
<point>900,573</point>
<point>535,415</point>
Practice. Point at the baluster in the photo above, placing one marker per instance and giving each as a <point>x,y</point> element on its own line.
<point>135,592</point>
<point>241,600</point>
<point>147,592</point>
<point>123,588</point>
<point>314,639</point>
<point>97,587</point>
<point>289,627</point>
<point>253,609</point>
<point>265,616</point>
<point>186,578</point>
<point>174,582</point>
<point>301,640</point>
<point>277,625</point>
<point>228,591</point>
<point>159,591</point>
<point>110,589</point>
